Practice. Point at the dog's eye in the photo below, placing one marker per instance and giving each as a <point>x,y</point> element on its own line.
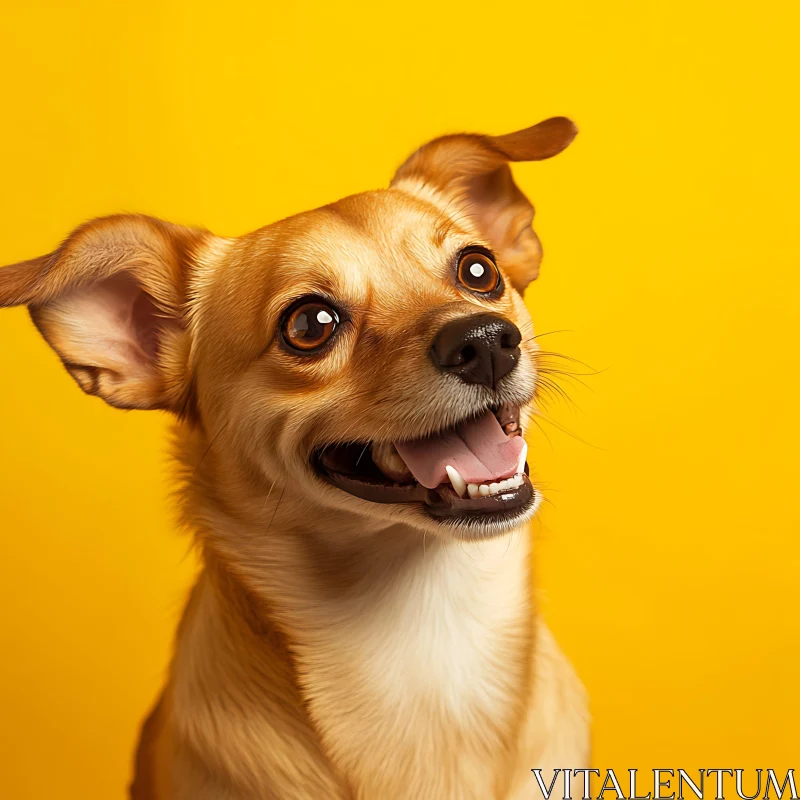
<point>478,272</point>
<point>310,325</point>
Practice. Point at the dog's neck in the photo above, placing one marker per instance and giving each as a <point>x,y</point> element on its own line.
<point>399,644</point>
<point>315,570</point>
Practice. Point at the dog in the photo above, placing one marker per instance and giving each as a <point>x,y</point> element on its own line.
<point>350,386</point>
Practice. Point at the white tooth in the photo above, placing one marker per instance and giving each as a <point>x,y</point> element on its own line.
<point>517,481</point>
<point>523,457</point>
<point>472,488</point>
<point>494,488</point>
<point>459,484</point>
<point>484,490</point>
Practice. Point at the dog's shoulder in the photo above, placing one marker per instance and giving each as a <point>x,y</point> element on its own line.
<point>556,731</point>
<point>147,780</point>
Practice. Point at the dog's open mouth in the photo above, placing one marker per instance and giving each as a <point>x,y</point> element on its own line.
<point>476,468</point>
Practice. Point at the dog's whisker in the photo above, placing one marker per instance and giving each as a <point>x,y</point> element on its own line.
<point>270,492</point>
<point>546,499</point>
<point>508,544</point>
<point>551,333</point>
<point>545,354</point>
<point>544,433</point>
<point>210,444</point>
<point>465,552</point>
<point>275,512</point>
<point>548,385</point>
<point>564,430</point>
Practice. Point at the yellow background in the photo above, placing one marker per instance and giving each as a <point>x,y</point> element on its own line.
<point>668,557</point>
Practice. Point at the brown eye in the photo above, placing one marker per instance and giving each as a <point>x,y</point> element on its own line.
<point>478,272</point>
<point>310,325</point>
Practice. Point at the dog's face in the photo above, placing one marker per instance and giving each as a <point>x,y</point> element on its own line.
<point>372,356</point>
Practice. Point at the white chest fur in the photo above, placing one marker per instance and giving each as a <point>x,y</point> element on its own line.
<point>414,677</point>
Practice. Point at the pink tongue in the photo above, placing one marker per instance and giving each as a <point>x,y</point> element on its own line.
<point>479,450</point>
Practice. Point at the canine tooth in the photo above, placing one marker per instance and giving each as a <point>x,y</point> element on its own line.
<point>472,488</point>
<point>484,490</point>
<point>459,484</point>
<point>523,457</point>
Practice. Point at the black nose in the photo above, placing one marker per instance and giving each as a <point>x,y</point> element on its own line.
<point>479,349</point>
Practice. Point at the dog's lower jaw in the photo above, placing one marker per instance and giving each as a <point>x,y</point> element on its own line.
<point>391,667</point>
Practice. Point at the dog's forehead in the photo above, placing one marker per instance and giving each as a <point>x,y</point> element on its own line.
<point>381,242</point>
<point>401,222</point>
<point>387,237</point>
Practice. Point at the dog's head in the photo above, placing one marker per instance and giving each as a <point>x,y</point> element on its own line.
<point>372,356</point>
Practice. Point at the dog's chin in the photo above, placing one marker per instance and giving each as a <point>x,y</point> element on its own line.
<point>484,526</point>
<point>497,505</point>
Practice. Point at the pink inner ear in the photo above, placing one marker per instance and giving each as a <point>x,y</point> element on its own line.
<point>145,323</point>
<point>113,324</point>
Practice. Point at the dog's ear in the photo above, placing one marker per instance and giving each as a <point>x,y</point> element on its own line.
<point>472,173</point>
<point>111,301</point>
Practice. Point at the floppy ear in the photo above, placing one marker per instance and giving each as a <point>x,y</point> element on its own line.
<point>111,302</point>
<point>473,172</point>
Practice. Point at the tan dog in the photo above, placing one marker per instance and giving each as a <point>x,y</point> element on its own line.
<point>350,385</point>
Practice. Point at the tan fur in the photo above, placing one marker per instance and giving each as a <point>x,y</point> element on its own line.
<point>332,647</point>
